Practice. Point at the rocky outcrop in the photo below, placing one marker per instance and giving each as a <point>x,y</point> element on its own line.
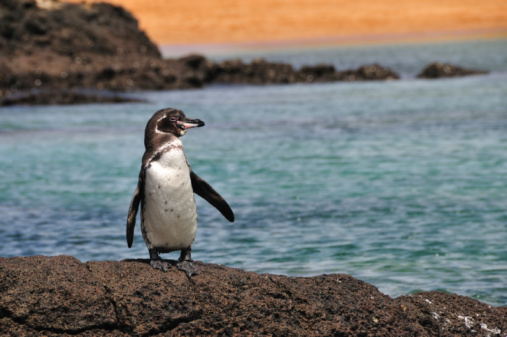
<point>69,30</point>
<point>440,70</point>
<point>52,45</point>
<point>60,296</point>
<point>48,46</point>
<point>328,73</point>
<point>260,71</point>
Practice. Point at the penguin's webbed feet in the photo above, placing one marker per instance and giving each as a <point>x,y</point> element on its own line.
<point>157,263</point>
<point>160,264</point>
<point>188,268</point>
<point>185,263</point>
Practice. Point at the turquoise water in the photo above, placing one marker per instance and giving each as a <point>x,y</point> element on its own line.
<point>401,184</point>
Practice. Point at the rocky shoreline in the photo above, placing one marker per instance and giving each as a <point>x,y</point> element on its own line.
<point>60,296</point>
<point>48,47</point>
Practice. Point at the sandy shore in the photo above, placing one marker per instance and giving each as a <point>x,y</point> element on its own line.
<point>328,21</point>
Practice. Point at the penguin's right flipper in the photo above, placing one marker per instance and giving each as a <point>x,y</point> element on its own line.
<point>131,219</point>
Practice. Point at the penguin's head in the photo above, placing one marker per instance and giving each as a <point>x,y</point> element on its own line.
<point>171,121</point>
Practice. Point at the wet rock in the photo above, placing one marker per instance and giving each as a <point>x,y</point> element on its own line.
<point>54,296</point>
<point>440,70</point>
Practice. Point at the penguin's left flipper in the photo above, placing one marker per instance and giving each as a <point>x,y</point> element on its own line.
<point>134,206</point>
<point>205,191</point>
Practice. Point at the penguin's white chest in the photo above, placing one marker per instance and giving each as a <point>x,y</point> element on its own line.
<point>169,212</point>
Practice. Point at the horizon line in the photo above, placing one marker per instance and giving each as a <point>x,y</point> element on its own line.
<point>216,48</point>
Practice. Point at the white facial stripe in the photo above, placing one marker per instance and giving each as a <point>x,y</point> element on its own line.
<point>156,126</point>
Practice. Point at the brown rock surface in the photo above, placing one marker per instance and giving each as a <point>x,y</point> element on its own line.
<point>60,296</point>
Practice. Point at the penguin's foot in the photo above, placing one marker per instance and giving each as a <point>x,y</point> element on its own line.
<point>188,268</point>
<point>156,262</point>
<point>160,264</point>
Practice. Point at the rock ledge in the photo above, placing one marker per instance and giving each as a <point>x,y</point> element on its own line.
<point>60,296</point>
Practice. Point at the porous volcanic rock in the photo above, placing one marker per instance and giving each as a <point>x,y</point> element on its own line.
<point>440,70</point>
<point>60,296</point>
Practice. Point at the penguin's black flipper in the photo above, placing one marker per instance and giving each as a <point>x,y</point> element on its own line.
<point>205,191</point>
<point>134,206</point>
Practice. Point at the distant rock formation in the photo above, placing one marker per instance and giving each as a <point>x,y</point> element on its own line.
<point>52,45</point>
<point>260,71</point>
<point>60,296</point>
<point>440,70</point>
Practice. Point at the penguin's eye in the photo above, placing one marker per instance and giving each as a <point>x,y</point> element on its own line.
<point>174,119</point>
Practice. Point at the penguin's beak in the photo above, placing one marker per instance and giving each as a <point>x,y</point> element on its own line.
<point>188,123</point>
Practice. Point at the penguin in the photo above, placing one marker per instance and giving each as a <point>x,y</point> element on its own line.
<point>165,191</point>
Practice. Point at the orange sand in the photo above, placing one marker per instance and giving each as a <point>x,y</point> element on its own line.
<point>232,21</point>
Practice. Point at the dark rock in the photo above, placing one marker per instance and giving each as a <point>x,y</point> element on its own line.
<point>194,61</point>
<point>327,73</point>
<point>62,97</point>
<point>376,72</point>
<point>259,71</point>
<point>71,30</point>
<point>372,72</point>
<point>61,46</point>
<point>439,70</point>
<point>317,73</point>
<point>54,296</point>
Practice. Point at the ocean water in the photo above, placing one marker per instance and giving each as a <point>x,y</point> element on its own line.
<point>402,184</point>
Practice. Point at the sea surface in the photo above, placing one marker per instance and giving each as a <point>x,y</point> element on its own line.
<point>402,184</point>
